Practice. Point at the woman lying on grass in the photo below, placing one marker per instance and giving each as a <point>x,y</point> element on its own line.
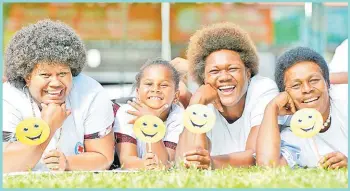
<point>157,94</point>
<point>303,79</point>
<point>44,81</point>
<point>224,61</point>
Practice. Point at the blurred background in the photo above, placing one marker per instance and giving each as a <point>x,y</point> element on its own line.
<point>120,37</point>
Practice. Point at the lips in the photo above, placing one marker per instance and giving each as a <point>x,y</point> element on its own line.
<point>34,138</point>
<point>148,135</point>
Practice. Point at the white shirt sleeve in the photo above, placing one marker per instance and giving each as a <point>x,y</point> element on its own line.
<point>270,92</point>
<point>100,114</point>
<point>339,61</point>
<point>174,125</point>
<point>11,117</point>
<point>121,124</point>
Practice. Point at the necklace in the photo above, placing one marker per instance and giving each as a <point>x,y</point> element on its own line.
<point>33,112</point>
<point>327,122</point>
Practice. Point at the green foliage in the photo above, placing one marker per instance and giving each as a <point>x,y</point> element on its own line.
<point>254,177</point>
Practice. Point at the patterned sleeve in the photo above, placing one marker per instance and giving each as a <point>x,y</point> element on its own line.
<point>122,130</point>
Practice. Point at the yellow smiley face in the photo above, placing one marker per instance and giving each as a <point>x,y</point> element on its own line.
<point>199,118</point>
<point>306,123</point>
<point>149,129</point>
<point>32,131</point>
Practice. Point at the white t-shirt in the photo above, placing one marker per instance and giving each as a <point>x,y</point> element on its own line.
<point>173,124</point>
<point>91,113</point>
<point>228,138</point>
<point>303,152</point>
<point>339,63</point>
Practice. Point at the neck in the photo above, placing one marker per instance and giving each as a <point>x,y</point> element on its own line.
<point>325,116</point>
<point>234,112</point>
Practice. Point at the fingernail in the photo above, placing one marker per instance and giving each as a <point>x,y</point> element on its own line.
<point>133,99</point>
<point>166,105</point>
<point>128,101</point>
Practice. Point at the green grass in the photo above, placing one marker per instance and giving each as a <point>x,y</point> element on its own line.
<point>254,177</point>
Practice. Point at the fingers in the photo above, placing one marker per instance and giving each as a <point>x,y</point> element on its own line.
<point>134,113</point>
<point>134,105</point>
<point>162,109</point>
<point>53,166</point>
<point>338,165</point>
<point>52,153</point>
<point>199,151</point>
<point>217,105</point>
<point>331,161</point>
<point>291,103</point>
<point>51,160</point>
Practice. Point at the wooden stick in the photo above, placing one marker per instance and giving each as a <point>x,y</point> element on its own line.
<point>149,147</point>
<point>316,148</point>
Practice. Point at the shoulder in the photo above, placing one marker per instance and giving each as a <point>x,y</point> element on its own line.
<point>85,84</point>
<point>13,95</point>
<point>260,85</point>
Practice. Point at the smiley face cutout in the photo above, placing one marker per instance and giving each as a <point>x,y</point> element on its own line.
<point>32,131</point>
<point>149,129</point>
<point>199,118</point>
<point>306,123</point>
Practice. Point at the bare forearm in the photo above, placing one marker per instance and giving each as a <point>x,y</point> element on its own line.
<point>238,159</point>
<point>339,78</point>
<point>88,161</point>
<point>19,157</point>
<point>269,141</point>
<point>159,149</point>
<point>132,162</point>
<point>190,141</point>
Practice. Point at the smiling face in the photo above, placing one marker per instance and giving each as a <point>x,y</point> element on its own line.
<point>32,131</point>
<point>50,83</point>
<point>225,70</point>
<point>199,118</point>
<point>307,87</point>
<point>149,129</point>
<point>157,87</point>
<point>306,123</point>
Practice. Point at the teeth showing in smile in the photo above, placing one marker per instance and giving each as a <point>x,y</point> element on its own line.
<point>53,92</point>
<point>34,138</point>
<point>226,88</point>
<point>155,98</point>
<point>310,100</point>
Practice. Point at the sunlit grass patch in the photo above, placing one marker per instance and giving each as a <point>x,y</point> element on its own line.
<point>254,177</point>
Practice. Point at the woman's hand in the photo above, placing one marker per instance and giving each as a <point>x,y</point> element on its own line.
<point>142,109</point>
<point>284,104</point>
<point>199,158</point>
<point>334,160</point>
<point>54,115</point>
<point>55,160</point>
<point>151,161</point>
<point>205,95</point>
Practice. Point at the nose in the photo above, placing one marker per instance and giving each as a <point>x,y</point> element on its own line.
<point>306,88</point>
<point>155,88</point>
<point>55,82</point>
<point>225,76</point>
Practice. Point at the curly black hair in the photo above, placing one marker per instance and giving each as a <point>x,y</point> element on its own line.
<point>297,55</point>
<point>47,41</point>
<point>220,36</point>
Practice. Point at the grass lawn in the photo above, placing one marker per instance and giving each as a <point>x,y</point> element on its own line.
<point>254,177</point>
